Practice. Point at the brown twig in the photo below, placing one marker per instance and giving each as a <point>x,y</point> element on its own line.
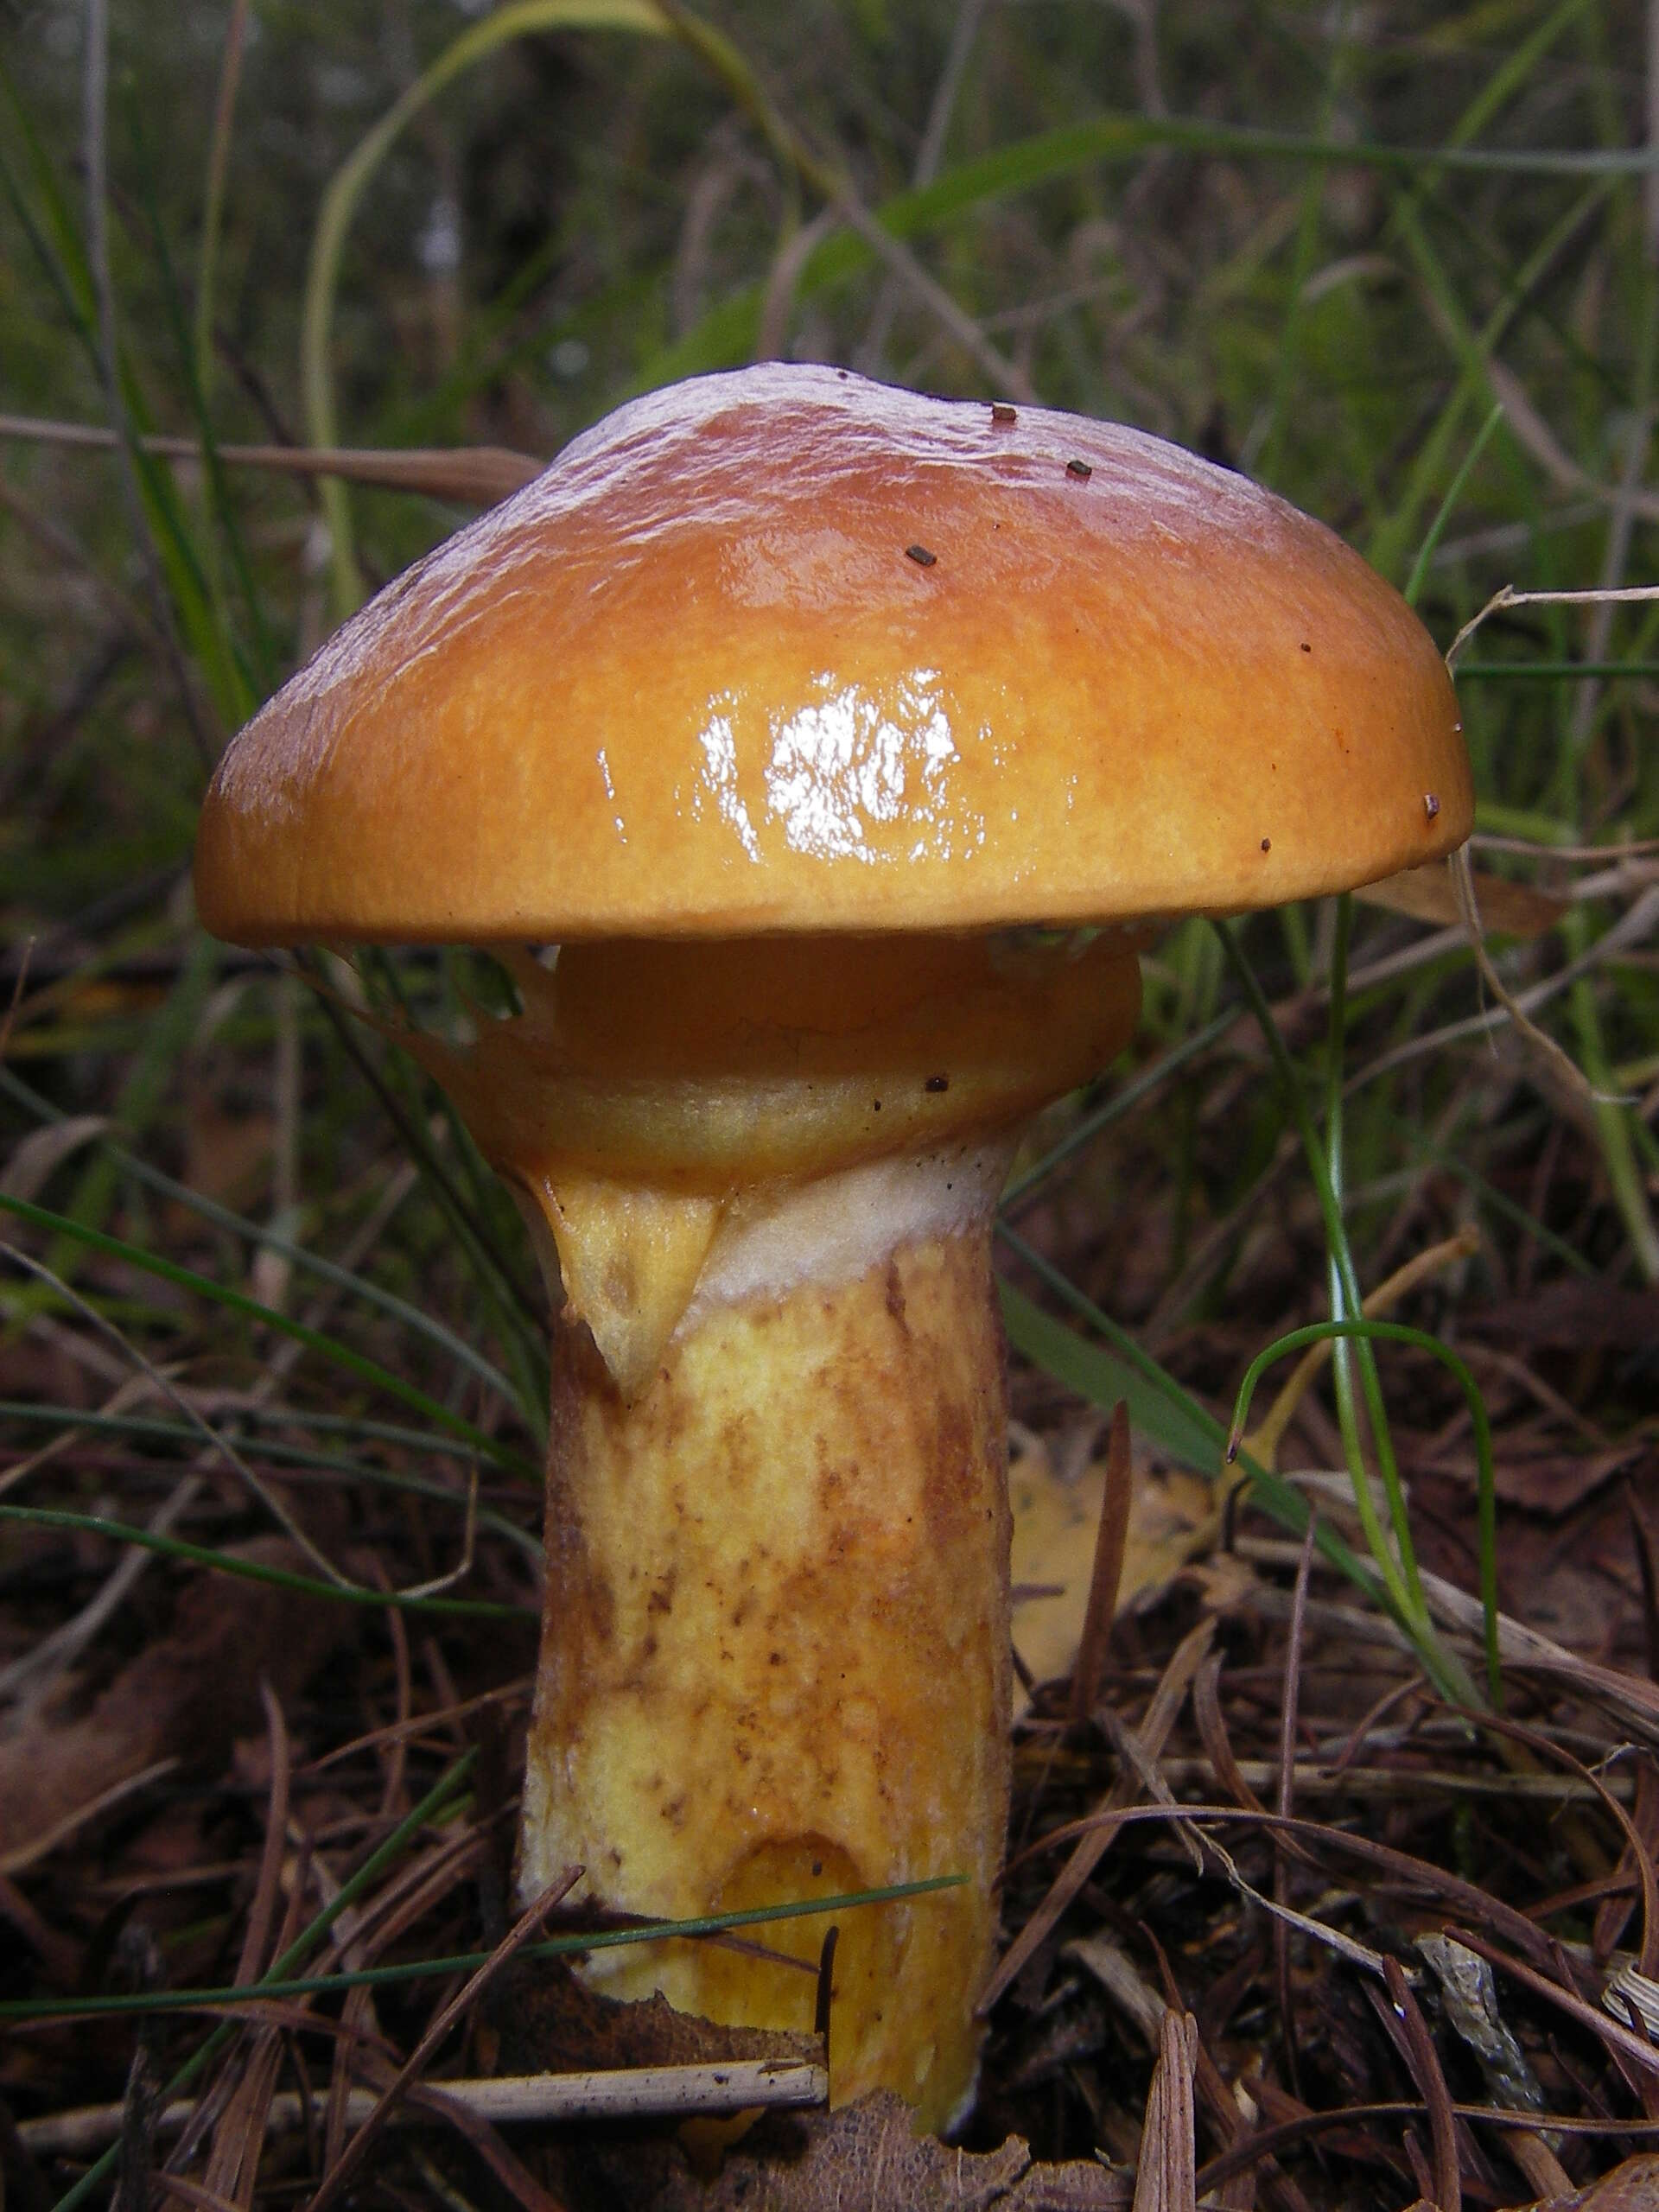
<point>473,476</point>
<point>1111,1537</point>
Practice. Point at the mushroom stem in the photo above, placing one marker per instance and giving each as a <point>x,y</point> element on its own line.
<point>775,1649</point>
<point>775,1654</point>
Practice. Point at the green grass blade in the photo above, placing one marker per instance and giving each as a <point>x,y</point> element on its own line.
<point>56,238</point>
<point>1448,507</point>
<point>246,1570</point>
<point>1177,1425</point>
<point>260,1236</point>
<point>237,1301</point>
<point>141,1428</point>
<point>1399,1332</point>
<point>1399,1573</point>
<point>552,1947</point>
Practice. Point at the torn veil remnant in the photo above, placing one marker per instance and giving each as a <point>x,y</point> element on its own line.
<point>790,802</point>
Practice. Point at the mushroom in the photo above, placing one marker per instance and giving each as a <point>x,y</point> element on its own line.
<point>843,740</point>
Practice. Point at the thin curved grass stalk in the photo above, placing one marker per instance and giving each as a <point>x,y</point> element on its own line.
<point>346,188</point>
<point>728,334</point>
<point>1269,1431</point>
<point>1397,1565</point>
<point>1193,1438</point>
<point>1400,1333</point>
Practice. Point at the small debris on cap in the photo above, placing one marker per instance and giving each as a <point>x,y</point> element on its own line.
<point>937,1082</point>
<point>1431,804</point>
<point>920,556</point>
<point>1078,468</point>
<point>1266,845</point>
<point>1306,648</point>
<point>1001,412</point>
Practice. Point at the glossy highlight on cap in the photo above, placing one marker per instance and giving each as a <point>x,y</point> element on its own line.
<point>699,679</point>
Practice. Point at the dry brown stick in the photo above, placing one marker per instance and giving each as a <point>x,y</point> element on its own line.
<point>1614,1911</point>
<point>1111,1537</point>
<point>1285,2134</point>
<point>470,475</point>
<point>504,2100</point>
